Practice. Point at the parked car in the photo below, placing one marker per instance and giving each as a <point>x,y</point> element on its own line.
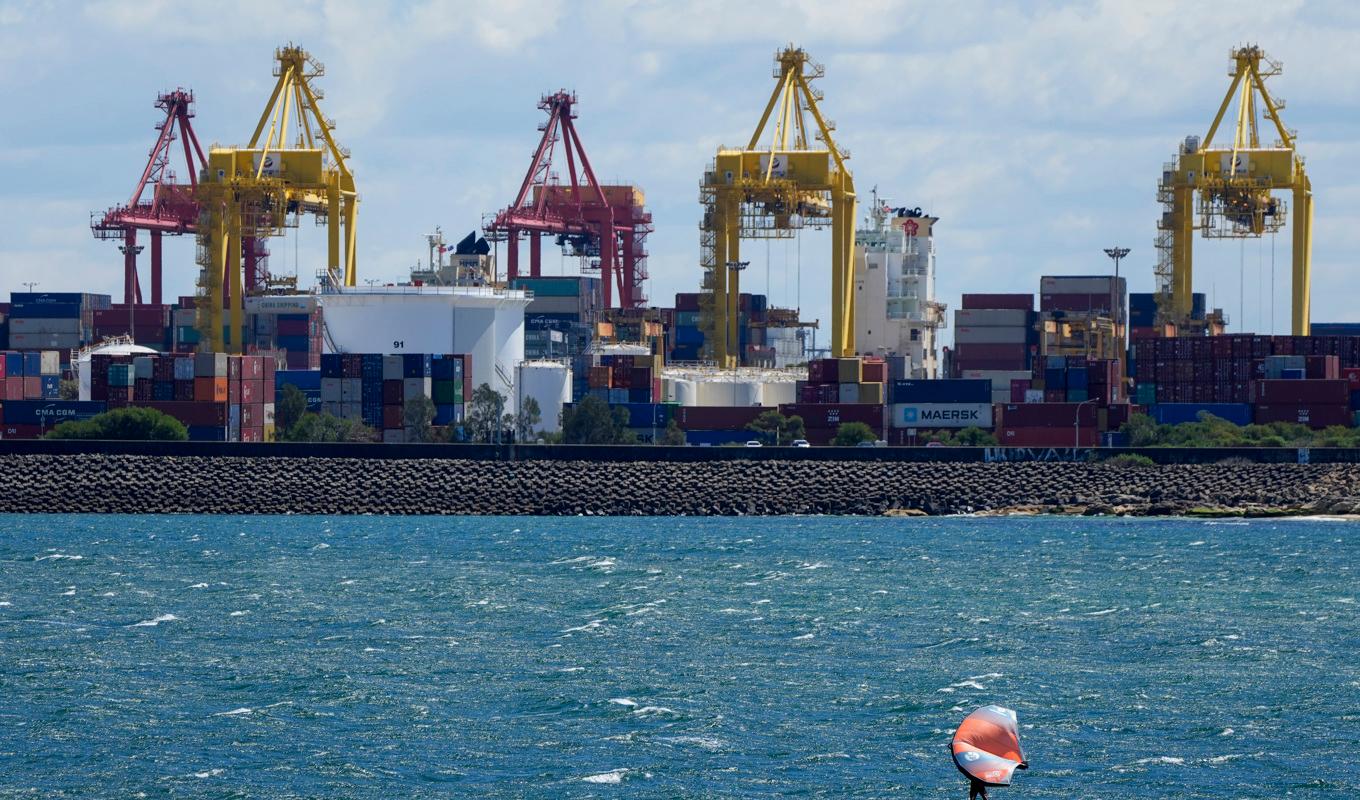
<point>754,443</point>
<point>801,443</point>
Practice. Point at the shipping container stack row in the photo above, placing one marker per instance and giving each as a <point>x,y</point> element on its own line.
<point>287,325</point>
<point>61,321</point>
<point>995,337</point>
<point>845,381</point>
<point>559,319</point>
<point>1245,378</point>
<point>1059,424</point>
<point>1071,379</point>
<point>30,388</point>
<point>148,325</point>
<point>1082,315</point>
<point>218,397</point>
<point>918,406</point>
<point>375,389</point>
<point>687,338</point>
<point>620,379</point>
<point>1143,314</point>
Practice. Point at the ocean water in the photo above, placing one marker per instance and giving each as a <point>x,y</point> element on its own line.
<point>315,657</point>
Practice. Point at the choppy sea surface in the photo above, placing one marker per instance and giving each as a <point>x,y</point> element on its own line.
<point>313,657</point>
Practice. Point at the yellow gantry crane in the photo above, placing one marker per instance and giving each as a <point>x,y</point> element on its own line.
<point>1235,184</point>
<point>772,192</point>
<point>260,190</point>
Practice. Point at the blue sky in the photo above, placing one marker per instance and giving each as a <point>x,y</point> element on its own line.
<point>1035,130</point>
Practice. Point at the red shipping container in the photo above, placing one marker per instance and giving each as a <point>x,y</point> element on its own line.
<point>687,302</point>
<point>1352,377</point>
<point>393,417</point>
<point>875,371</point>
<point>1081,303</point>
<point>1312,415</point>
<point>252,416</point>
<point>1309,392</point>
<point>252,434</point>
<point>21,432</point>
<point>209,390</point>
<point>987,301</point>
<point>293,327</point>
<point>716,418</point>
<point>969,351</point>
<point>252,391</point>
<point>142,316</point>
<point>252,368</point>
<point>234,368</point>
<point>234,391</point>
<point>393,392</point>
<point>1046,415</point>
<point>1055,395</point>
<point>270,366</point>
<point>32,388</point>
<point>1322,367</point>
<point>1048,437</point>
<point>194,413</point>
<point>821,415</point>
<point>3,362</point>
<point>1018,388</point>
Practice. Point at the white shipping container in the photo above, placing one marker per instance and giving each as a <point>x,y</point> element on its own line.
<point>143,368</point>
<point>281,304</point>
<point>330,390</point>
<point>1034,395</point>
<point>184,368</point>
<point>351,390</point>
<point>1077,284</point>
<point>991,317</point>
<point>415,387</point>
<point>849,393</point>
<point>992,335</point>
<point>43,325</point>
<point>44,341</point>
<point>941,415</point>
<point>394,368</point>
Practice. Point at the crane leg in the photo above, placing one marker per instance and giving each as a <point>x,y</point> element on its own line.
<point>156,268</point>
<point>607,263</point>
<point>236,313</point>
<point>1183,231</point>
<point>131,291</point>
<point>718,312</point>
<point>535,255</point>
<point>512,255</point>
<point>628,296</point>
<point>734,353</point>
<point>1303,259</point>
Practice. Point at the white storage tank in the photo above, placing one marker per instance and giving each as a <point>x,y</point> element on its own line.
<point>114,348</point>
<point>483,322</point>
<point>549,383</point>
<point>683,392</point>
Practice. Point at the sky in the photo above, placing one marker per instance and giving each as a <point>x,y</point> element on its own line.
<point>1036,131</point>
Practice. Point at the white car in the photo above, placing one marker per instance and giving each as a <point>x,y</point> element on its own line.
<point>754,443</point>
<point>801,443</point>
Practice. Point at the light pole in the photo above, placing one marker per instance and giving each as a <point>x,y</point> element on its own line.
<point>29,285</point>
<point>1116,254</point>
<point>1076,423</point>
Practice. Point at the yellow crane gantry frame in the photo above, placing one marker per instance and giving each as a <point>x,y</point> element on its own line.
<point>772,192</point>
<point>1235,185</point>
<point>261,189</point>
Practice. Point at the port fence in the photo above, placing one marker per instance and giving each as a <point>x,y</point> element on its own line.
<point>653,453</point>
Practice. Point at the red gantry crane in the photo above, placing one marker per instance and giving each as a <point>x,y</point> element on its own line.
<point>170,209</point>
<point>606,225</point>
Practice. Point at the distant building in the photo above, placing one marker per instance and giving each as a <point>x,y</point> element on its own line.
<point>896,313</point>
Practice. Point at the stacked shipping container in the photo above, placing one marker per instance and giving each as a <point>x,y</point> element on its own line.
<point>620,379</point>
<point>218,397</point>
<point>375,389</point>
<point>52,320</point>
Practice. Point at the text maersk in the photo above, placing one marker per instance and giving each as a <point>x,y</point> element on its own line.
<point>942,415</point>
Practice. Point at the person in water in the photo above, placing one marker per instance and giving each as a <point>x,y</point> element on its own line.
<point>977,788</point>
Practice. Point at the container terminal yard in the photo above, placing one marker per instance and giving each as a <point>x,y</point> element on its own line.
<point>478,325</point>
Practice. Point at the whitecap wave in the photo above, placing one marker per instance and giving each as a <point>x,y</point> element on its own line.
<point>614,776</point>
<point>235,712</point>
<point>151,623</point>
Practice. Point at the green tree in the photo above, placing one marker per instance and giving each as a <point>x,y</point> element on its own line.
<point>292,405</point>
<point>131,423</point>
<point>1141,431</point>
<point>591,421</point>
<point>68,389</point>
<point>973,436</point>
<point>417,417</point>
<point>850,434</point>
<point>485,414</point>
<point>329,428</point>
<point>673,436</point>
<point>528,418</point>
<point>773,428</point>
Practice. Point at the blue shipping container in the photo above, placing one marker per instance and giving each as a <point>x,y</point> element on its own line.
<point>1076,378</point>
<point>32,365</point>
<point>49,412</point>
<point>293,344</point>
<point>686,335</point>
<point>1055,378</point>
<point>50,386</point>
<point>304,379</point>
<point>415,365</point>
<point>45,311</point>
<point>968,390</point>
<point>332,365</point>
<point>717,438</point>
<point>644,415</point>
<point>1177,413</point>
<point>206,433</point>
<point>14,365</point>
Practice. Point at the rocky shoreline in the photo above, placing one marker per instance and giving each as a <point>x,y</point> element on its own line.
<point>272,485</point>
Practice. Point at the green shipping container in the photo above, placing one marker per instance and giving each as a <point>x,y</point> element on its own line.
<point>1077,395</point>
<point>1146,394</point>
<point>550,287</point>
<point>445,392</point>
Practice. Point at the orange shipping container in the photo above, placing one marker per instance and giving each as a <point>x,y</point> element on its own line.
<point>210,390</point>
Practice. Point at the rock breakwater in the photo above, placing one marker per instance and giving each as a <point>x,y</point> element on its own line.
<point>91,483</point>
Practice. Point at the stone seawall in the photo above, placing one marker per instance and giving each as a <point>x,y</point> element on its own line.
<point>268,485</point>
